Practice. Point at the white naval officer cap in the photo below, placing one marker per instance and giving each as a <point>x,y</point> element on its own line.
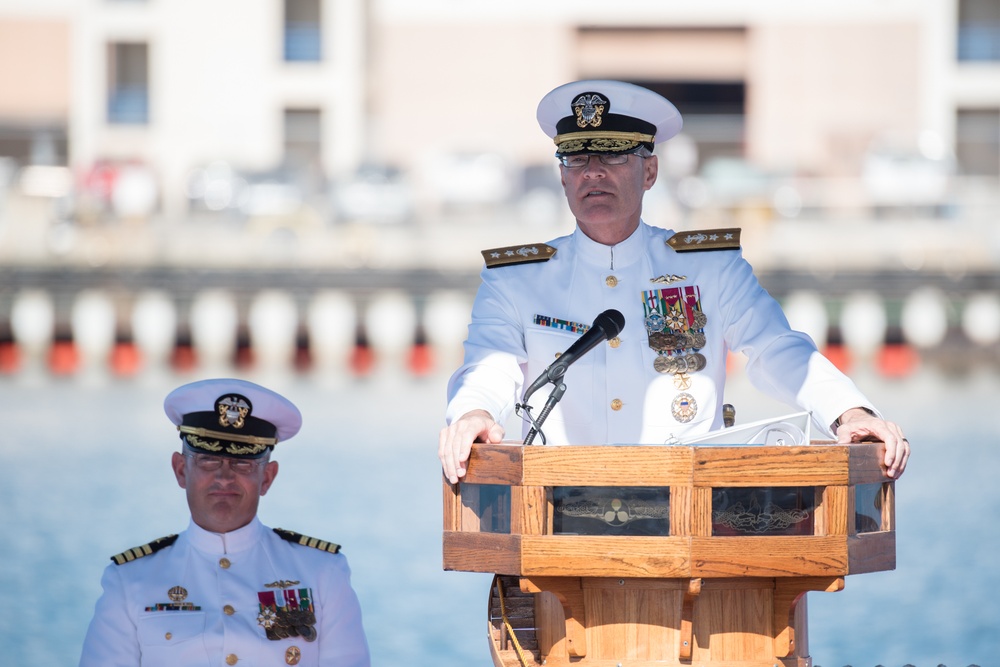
<point>231,417</point>
<point>602,116</point>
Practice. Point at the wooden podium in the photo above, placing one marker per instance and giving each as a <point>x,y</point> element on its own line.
<point>629,556</point>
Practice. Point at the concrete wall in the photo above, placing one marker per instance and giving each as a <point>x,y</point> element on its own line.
<point>34,69</point>
<point>819,94</point>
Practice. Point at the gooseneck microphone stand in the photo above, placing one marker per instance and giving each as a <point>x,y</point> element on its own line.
<point>550,403</point>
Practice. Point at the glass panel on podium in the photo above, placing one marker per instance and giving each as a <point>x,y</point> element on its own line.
<point>610,510</point>
<point>868,503</point>
<point>486,508</point>
<point>763,511</point>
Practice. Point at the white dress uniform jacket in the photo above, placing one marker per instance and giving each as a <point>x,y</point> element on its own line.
<point>223,574</point>
<point>614,393</point>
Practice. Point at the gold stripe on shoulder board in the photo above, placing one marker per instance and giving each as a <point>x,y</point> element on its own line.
<point>518,254</point>
<point>306,541</point>
<point>132,554</point>
<point>706,239</point>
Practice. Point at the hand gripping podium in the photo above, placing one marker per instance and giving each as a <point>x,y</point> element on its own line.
<point>635,556</point>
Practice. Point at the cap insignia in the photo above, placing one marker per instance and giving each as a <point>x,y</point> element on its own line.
<point>233,410</point>
<point>589,109</point>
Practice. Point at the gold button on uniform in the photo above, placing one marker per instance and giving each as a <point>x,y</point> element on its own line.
<point>231,659</point>
<point>169,635</point>
<point>615,342</point>
<point>616,404</point>
<point>228,610</point>
<point>611,281</point>
<point>293,655</point>
<point>224,563</point>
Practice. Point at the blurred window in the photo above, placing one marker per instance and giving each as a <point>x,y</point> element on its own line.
<point>38,144</point>
<point>714,114</point>
<point>978,30</point>
<point>128,83</point>
<point>303,137</point>
<point>303,34</point>
<point>977,141</point>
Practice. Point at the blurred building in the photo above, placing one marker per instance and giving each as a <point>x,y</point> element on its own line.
<point>191,96</point>
<point>821,88</point>
<point>174,85</point>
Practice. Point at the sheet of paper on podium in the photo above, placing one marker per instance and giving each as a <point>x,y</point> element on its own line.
<point>789,430</point>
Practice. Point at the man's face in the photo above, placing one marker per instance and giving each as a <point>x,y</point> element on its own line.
<point>222,500</point>
<point>606,200</point>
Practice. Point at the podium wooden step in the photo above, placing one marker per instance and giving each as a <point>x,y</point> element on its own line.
<point>512,610</point>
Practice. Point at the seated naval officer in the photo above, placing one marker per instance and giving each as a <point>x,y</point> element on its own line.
<point>687,299</point>
<point>228,590</point>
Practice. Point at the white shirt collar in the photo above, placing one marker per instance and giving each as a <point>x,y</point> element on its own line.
<point>615,256</point>
<point>235,541</point>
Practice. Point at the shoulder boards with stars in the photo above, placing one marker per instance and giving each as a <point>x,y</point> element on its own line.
<point>306,541</point>
<point>130,555</point>
<point>706,239</point>
<point>518,254</point>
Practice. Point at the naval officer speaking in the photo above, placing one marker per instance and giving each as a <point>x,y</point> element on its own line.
<point>686,300</point>
<point>228,590</point>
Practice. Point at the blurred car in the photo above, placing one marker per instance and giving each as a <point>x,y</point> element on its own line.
<point>8,169</point>
<point>51,181</point>
<point>540,199</point>
<point>735,183</point>
<point>215,187</point>
<point>908,176</point>
<point>374,193</point>
<point>466,179</point>
<point>273,193</point>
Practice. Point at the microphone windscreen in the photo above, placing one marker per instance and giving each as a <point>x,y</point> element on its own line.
<point>611,322</point>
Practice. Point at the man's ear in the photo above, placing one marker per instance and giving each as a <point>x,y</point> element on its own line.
<point>651,167</point>
<point>270,472</point>
<point>177,462</point>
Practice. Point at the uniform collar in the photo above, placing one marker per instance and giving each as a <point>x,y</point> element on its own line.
<point>240,539</point>
<point>615,256</point>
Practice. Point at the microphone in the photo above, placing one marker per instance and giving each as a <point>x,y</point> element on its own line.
<point>606,325</point>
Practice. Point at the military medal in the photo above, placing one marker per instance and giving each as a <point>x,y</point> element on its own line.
<point>675,328</point>
<point>694,362</point>
<point>664,364</point>
<point>665,342</point>
<point>684,408</point>
<point>287,612</point>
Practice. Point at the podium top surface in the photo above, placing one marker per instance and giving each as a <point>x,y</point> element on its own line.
<point>816,464</point>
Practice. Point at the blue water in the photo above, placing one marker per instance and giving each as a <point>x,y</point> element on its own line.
<point>84,473</point>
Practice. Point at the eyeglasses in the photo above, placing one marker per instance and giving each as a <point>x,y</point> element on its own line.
<point>208,463</point>
<point>577,161</point>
